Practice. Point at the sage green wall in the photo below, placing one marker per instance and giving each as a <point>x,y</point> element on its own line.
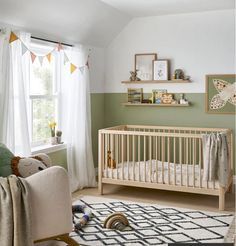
<point>59,158</point>
<point>97,120</point>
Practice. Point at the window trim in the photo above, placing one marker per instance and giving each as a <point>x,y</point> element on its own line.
<point>42,48</point>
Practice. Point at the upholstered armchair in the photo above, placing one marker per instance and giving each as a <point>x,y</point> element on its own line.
<point>50,200</point>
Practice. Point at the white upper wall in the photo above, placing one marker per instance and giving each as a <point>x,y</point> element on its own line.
<point>141,8</point>
<point>89,22</point>
<point>200,43</point>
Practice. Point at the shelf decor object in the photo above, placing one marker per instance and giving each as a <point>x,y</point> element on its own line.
<point>160,70</point>
<point>155,105</point>
<point>220,94</point>
<point>135,95</point>
<point>156,81</point>
<point>143,65</point>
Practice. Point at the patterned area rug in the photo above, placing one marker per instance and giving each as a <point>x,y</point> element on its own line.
<point>151,224</point>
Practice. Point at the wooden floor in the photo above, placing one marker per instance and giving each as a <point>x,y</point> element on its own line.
<point>168,198</point>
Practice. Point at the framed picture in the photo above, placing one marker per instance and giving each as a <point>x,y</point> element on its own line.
<point>160,70</point>
<point>157,95</point>
<point>220,94</point>
<point>143,63</point>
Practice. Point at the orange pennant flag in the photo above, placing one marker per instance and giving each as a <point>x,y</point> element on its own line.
<point>49,56</point>
<point>59,47</point>
<point>33,57</point>
<point>13,37</point>
<point>72,68</point>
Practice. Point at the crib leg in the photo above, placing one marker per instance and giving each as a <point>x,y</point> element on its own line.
<point>100,188</point>
<point>222,198</point>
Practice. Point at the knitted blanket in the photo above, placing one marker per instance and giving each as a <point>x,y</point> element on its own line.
<point>15,212</point>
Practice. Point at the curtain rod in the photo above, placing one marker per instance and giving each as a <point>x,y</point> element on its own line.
<point>51,41</point>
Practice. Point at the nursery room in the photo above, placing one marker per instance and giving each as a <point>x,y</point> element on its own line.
<point>117,122</point>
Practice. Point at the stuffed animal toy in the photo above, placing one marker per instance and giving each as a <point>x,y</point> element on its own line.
<point>111,163</point>
<point>25,167</point>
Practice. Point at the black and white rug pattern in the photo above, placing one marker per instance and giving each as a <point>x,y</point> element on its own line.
<point>151,224</point>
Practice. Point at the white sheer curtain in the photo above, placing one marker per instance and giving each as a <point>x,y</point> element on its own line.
<point>14,81</point>
<point>76,121</point>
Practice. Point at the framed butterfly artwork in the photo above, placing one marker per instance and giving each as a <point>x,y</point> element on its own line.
<point>221,94</point>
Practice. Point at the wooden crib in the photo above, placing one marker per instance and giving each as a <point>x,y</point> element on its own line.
<point>159,157</point>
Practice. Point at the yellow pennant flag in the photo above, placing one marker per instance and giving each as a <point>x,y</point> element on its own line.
<point>72,68</point>
<point>49,57</point>
<point>13,37</point>
<point>33,57</point>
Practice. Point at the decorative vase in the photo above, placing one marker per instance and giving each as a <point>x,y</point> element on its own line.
<point>58,140</point>
<point>53,140</point>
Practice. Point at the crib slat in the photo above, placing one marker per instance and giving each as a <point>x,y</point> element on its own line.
<point>181,161</point>
<point>156,161</point>
<point>139,157</point>
<point>194,159</point>
<point>122,155</point>
<point>162,157</point>
<point>127,140</point>
<point>133,152</point>
<point>106,149</point>
<point>117,154</point>
<point>200,164</point>
<point>174,160</point>
<point>144,154</point>
<point>187,161</point>
<point>150,158</point>
<point>112,154</point>
<point>168,157</point>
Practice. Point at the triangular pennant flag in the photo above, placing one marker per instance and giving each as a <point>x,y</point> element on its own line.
<point>33,56</point>
<point>72,68</point>
<point>41,60</point>
<point>59,47</point>
<point>87,64</point>
<point>81,69</point>
<point>49,57</point>
<point>13,37</point>
<point>24,49</point>
<point>66,59</point>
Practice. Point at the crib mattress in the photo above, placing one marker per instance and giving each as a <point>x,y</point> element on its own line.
<point>135,171</point>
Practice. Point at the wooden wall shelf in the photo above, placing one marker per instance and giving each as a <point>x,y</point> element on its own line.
<point>156,81</point>
<point>155,105</point>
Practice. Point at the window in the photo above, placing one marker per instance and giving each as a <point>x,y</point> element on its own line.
<point>43,96</point>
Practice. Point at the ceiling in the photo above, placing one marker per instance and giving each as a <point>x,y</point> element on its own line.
<point>141,8</point>
<point>91,22</point>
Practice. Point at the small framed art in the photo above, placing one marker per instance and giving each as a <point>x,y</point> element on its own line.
<point>157,95</point>
<point>143,63</point>
<point>220,94</point>
<point>160,70</point>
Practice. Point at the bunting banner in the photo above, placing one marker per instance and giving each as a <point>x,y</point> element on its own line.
<point>41,60</point>
<point>59,48</point>
<point>49,56</point>
<point>66,59</point>
<point>72,68</point>
<point>13,37</point>
<point>24,49</point>
<point>33,56</point>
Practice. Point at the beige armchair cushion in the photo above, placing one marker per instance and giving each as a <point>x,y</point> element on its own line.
<point>51,203</point>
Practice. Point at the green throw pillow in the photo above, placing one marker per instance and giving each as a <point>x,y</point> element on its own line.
<point>5,161</point>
